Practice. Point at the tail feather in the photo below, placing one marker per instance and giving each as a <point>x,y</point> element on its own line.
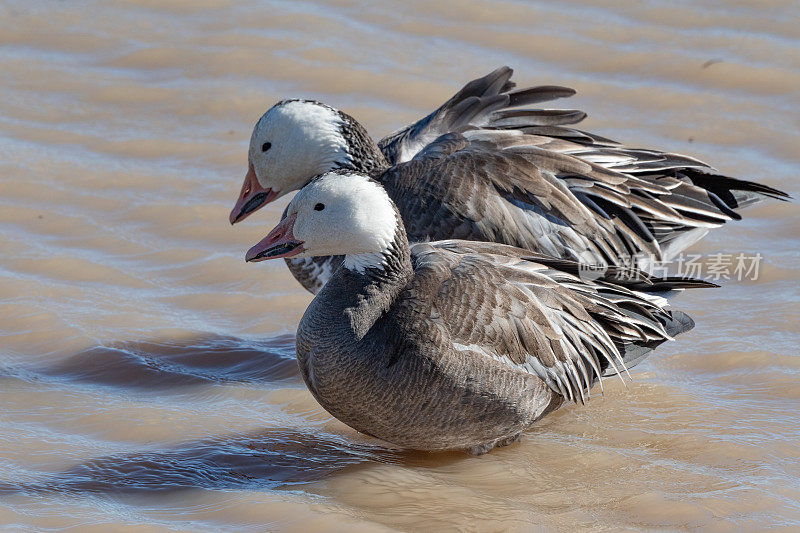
<point>677,322</point>
<point>735,193</point>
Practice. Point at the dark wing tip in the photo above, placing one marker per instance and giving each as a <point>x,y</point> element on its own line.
<point>680,323</point>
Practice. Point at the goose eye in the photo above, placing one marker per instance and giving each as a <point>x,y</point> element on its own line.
<point>319,207</point>
<point>266,146</point>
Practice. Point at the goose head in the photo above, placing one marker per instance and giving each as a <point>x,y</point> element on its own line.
<point>339,213</point>
<point>291,143</point>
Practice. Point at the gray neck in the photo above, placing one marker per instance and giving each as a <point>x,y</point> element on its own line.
<point>365,156</point>
<point>363,297</point>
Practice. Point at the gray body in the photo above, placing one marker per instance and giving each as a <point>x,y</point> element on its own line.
<point>480,168</point>
<point>463,345</point>
<point>398,384</point>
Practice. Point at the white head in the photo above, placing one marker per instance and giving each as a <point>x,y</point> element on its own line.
<point>338,213</point>
<point>293,141</point>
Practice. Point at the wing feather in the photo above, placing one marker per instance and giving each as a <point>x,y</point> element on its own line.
<point>477,104</point>
<point>547,195</point>
<point>527,312</point>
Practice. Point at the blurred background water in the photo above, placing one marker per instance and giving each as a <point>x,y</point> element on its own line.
<point>147,375</point>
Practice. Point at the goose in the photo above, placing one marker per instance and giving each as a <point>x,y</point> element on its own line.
<point>454,345</point>
<point>483,167</point>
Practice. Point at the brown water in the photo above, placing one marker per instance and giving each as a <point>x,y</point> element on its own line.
<point>147,379</point>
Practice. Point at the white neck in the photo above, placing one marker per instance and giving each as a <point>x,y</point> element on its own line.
<point>361,262</point>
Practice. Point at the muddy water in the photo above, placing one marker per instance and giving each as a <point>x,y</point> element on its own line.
<point>147,378</point>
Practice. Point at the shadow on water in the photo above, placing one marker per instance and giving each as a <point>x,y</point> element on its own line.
<point>170,363</point>
<point>265,460</point>
<point>268,459</point>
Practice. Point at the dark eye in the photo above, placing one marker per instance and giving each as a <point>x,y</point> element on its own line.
<point>266,146</point>
<point>319,207</point>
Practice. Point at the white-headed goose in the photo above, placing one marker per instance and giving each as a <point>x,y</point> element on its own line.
<point>453,344</point>
<point>484,168</point>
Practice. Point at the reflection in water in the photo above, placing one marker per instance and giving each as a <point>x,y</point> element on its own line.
<point>174,363</point>
<point>267,459</point>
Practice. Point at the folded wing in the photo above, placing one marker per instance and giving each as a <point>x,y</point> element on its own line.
<point>534,313</point>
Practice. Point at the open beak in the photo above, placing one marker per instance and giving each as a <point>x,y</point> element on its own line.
<point>279,243</point>
<point>252,197</point>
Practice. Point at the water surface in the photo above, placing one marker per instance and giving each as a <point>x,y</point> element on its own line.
<point>147,375</point>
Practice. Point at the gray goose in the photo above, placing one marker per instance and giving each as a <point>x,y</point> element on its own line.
<point>453,344</point>
<point>483,167</point>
